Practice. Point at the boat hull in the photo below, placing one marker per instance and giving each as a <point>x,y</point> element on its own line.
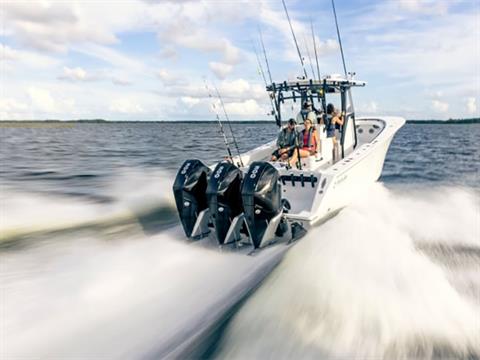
<point>346,179</point>
<point>304,196</point>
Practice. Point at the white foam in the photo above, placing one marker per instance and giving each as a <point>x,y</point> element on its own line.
<point>357,287</point>
<point>132,191</point>
<point>124,299</point>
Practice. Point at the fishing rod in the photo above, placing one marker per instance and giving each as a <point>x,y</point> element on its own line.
<point>294,39</point>
<point>315,49</point>
<point>275,106</point>
<point>324,103</point>
<point>264,78</point>
<point>352,108</point>
<point>341,51</point>
<point>339,38</point>
<point>259,63</point>
<point>308,54</point>
<point>214,107</point>
<point>229,124</point>
<point>265,55</point>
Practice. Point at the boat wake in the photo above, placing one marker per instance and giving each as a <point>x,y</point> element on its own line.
<point>395,275</point>
<point>134,201</point>
<point>392,276</point>
<point>146,297</point>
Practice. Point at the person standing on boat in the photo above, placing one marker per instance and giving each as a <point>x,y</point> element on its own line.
<point>333,121</point>
<point>285,142</point>
<point>308,140</point>
<point>306,110</point>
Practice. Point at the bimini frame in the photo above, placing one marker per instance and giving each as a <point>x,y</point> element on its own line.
<point>312,90</point>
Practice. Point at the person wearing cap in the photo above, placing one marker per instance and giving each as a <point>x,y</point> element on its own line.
<point>308,140</point>
<point>307,108</point>
<point>285,142</point>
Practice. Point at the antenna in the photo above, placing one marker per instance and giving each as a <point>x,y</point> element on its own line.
<point>294,39</point>
<point>315,49</point>
<point>339,38</point>
<point>229,124</point>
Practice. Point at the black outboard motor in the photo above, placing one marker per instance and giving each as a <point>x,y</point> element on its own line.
<point>261,195</point>
<point>189,190</point>
<point>224,198</point>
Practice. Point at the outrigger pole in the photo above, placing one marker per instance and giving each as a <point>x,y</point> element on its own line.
<point>295,39</point>
<point>214,107</point>
<point>229,125</point>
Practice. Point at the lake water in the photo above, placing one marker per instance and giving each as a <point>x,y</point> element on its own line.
<point>93,263</point>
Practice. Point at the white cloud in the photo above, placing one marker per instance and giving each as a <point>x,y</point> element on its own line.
<point>121,81</point>
<point>440,106</point>
<point>53,26</point>
<point>74,74</point>
<point>246,108</point>
<point>169,52</point>
<point>221,70</point>
<point>242,89</point>
<point>471,105</point>
<point>189,101</point>
<point>428,7</point>
<point>7,53</point>
<point>113,57</point>
<point>199,39</point>
<point>42,99</point>
<point>169,78</point>
<point>28,58</point>
<point>125,106</point>
<point>12,109</point>
<point>43,102</point>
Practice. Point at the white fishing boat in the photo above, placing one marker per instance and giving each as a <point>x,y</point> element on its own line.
<point>251,200</point>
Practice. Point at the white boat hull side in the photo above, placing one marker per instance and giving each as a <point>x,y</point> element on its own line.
<point>345,186</point>
<point>349,177</point>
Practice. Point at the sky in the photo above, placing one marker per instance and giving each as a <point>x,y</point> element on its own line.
<point>150,59</point>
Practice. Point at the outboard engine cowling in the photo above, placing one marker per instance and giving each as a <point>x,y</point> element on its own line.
<point>189,190</point>
<point>261,195</point>
<point>224,197</point>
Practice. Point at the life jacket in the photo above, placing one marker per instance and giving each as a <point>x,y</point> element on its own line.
<point>288,140</point>
<point>307,139</point>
